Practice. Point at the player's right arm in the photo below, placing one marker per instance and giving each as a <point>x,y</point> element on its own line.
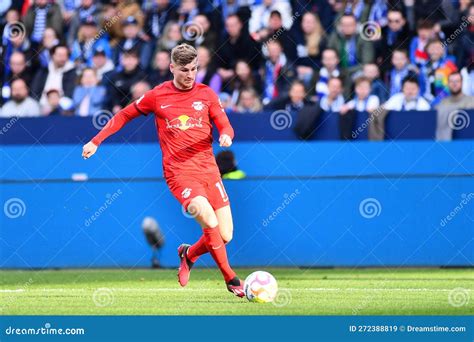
<point>142,106</point>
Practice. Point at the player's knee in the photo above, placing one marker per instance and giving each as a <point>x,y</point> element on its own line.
<point>227,237</point>
<point>202,211</point>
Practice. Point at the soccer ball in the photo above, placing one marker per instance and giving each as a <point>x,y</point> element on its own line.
<point>260,287</point>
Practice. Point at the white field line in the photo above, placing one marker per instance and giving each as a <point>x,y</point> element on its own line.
<point>174,289</point>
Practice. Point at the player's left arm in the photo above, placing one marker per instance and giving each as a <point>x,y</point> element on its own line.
<point>220,119</point>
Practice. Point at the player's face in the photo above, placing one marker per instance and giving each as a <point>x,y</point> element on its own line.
<point>184,75</point>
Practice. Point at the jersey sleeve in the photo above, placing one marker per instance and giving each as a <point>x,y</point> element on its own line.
<point>218,116</point>
<point>146,103</point>
<point>116,123</point>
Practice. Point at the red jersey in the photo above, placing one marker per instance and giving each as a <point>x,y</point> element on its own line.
<point>184,122</point>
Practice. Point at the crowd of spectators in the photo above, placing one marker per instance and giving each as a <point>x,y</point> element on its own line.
<point>81,57</point>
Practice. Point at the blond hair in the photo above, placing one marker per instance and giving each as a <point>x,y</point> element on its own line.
<point>313,40</point>
<point>183,54</point>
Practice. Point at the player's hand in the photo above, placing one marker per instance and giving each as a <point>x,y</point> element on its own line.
<point>225,140</point>
<point>88,150</point>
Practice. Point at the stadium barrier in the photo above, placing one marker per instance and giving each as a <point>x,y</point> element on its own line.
<point>397,203</point>
<point>268,126</point>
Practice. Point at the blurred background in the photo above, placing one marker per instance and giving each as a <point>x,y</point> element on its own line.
<point>354,141</point>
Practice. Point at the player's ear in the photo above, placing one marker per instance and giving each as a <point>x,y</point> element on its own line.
<point>172,68</point>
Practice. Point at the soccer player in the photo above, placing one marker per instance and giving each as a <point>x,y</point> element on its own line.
<point>184,112</point>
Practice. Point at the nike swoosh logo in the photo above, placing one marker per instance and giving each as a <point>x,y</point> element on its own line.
<point>217,247</point>
<point>163,107</point>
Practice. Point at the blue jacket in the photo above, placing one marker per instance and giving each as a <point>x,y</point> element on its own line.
<point>97,98</point>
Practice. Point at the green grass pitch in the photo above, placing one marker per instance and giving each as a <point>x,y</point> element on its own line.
<point>303,292</point>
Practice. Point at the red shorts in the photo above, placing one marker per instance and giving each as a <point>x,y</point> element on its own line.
<point>185,188</point>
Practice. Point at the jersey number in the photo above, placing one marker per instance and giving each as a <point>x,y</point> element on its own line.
<point>221,188</point>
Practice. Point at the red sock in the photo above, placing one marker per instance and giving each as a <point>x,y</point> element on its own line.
<point>216,246</point>
<point>198,249</point>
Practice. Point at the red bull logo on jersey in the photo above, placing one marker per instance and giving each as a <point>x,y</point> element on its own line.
<point>184,122</point>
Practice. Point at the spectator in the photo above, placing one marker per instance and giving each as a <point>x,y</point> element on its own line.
<point>88,96</point>
<point>160,13</point>
<point>139,89</point>
<point>468,79</point>
<point>451,104</point>
<point>330,69</point>
<point>171,36</point>
<point>53,107</point>
<point>201,33</point>
<point>425,32</point>
<point>249,101</point>
<point>379,89</point>
<point>464,45</point>
<point>86,42</point>
<point>119,83</point>
<point>277,73</point>
<point>17,43</point>
<point>363,100</point>
<point>50,40</point>
<point>310,47</point>
<point>11,17</point>
<point>353,49</point>
<point>237,45</point>
<point>408,99</point>
<point>21,104</point>
<point>119,9</point>
<point>18,69</point>
<point>276,31</point>
<point>401,69</point>
<point>333,101</point>
<point>187,10</point>
<point>359,9</point>
<point>60,74</point>
<point>434,74</point>
<point>161,68</point>
<point>295,101</point>
<point>244,78</point>
<point>395,36</point>
<point>259,20</point>
<point>43,14</point>
<point>207,73</point>
<point>101,63</point>
<point>131,40</point>
<point>88,10</point>
<point>228,166</point>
